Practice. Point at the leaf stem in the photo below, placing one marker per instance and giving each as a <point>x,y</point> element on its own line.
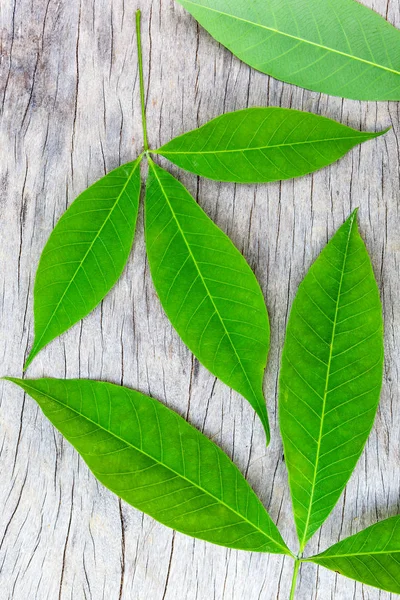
<point>297,564</point>
<point>141,80</point>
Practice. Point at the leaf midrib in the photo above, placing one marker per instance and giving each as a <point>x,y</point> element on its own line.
<point>255,396</point>
<point>326,390</point>
<point>129,444</point>
<point>37,343</point>
<point>333,556</point>
<point>294,37</point>
<point>267,147</point>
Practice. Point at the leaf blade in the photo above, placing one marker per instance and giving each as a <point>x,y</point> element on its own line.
<point>339,47</point>
<point>258,145</point>
<point>371,556</point>
<point>98,240</point>
<point>331,375</point>
<point>207,289</point>
<point>136,447</point>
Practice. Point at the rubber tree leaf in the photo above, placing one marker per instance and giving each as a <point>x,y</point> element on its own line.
<point>85,254</point>
<point>257,145</point>
<point>371,556</point>
<point>331,376</point>
<point>153,459</point>
<point>207,289</point>
<point>337,47</point>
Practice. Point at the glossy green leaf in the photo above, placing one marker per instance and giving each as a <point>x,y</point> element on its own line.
<point>153,459</point>
<point>262,144</point>
<point>85,254</point>
<point>331,376</point>
<point>371,556</point>
<point>207,289</point>
<point>337,47</point>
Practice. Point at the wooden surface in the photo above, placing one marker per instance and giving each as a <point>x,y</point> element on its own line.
<point>70,111</point>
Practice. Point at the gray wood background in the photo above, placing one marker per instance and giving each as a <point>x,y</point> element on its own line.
<point>69,102</point>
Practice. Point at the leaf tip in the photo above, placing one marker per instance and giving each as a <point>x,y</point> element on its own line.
<point>352,218</point>
<point>372,135</point>
<point>351,222</point>
<point>30,358</point>
<point>265,424</point>
<point>12,379</point>
<point>379,133</point>
<point>267,438</point>
<point>354,214</point>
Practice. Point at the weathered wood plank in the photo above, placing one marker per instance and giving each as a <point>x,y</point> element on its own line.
<point>70,111</point>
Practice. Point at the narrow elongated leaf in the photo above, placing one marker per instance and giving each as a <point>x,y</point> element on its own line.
<point>337,47</point>
<point>207,289</point>
<point>371,556</point>
<point>262,144</point>
<point>331,376</point>
<point>156,461</point>
<point>85,254</point>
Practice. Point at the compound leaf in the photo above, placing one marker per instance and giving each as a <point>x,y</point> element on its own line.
<point>85,254</point>
<point>257,145</point>
<point>330,377</point>
<point>153,459</point>
<point>371,556</point>
<point>337,47</point>
<point>207,289</point>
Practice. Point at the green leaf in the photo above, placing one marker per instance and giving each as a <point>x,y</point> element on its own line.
<point>256,145</point>
<point>153,459</point>
<point>337,47</point>
<point>207,289</point>
<point>85,254</point>
<point>371,556</point>
<point>331,376</point>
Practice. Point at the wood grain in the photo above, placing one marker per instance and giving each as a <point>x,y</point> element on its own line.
<point>70,111</point>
